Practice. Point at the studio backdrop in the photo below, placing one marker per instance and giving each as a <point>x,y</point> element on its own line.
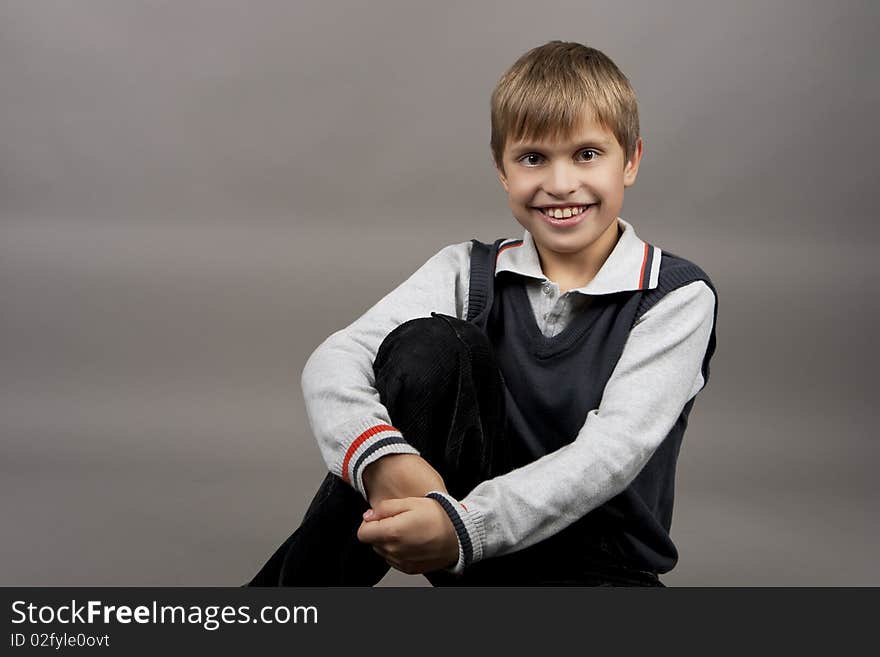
<point>193,195</point>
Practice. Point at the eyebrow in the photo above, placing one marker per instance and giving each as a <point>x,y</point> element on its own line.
<point>528,147</point>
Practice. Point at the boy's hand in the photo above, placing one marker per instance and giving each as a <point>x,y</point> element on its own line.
<point>397,476</point>
<point>414,534</point>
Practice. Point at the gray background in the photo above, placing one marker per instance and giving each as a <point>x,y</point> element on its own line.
<point>194,194</point>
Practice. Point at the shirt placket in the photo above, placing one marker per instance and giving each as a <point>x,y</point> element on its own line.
<point>549,314</point>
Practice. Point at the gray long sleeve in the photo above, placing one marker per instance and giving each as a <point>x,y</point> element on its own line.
<point>658,372</point>
<point>338,384</point>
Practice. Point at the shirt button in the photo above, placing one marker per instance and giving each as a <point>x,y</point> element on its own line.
<point>548,289</point>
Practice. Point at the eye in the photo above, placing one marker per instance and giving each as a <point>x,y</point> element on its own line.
<point>525,159</point>
<point>533,159</point>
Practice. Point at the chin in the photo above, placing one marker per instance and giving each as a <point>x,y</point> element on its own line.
<point>568,247</point>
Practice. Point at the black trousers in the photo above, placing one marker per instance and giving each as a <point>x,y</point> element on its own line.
<point>441,384</point>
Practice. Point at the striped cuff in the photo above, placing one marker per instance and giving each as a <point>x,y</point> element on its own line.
<point>468,527</point>
<point>372,442</point>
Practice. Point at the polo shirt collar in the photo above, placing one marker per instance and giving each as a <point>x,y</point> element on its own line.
<point>632,265</point>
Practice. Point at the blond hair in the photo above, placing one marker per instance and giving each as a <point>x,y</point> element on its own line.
<point>547,90</point>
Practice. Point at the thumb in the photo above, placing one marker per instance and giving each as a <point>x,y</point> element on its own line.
<point>386,509</point>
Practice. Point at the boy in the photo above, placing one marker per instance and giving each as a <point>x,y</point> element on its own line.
<point>512,413</point>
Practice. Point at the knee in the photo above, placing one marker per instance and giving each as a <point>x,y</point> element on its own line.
<point>427,354</point>
<point>422,347</point>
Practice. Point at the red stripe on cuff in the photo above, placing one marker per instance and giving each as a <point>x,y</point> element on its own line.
<point>372,431</point>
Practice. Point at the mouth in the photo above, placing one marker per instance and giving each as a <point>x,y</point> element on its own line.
<point>568,216</point>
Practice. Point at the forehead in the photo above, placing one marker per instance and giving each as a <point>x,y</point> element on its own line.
<point>586,131</point>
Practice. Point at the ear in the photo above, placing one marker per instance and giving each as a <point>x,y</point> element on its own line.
<point>632,167</point>
<point>502,179</point>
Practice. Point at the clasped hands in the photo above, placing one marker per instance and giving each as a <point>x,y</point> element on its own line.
<point>411,532</point>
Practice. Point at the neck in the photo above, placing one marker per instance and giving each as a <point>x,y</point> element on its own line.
<point>575,270</point>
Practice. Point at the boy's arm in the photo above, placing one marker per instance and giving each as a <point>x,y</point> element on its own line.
<point>396,476</point>
<point>350,424</point>
<point>659,370</point>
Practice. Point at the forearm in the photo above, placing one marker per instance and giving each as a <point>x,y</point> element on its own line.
<point>397,476</point>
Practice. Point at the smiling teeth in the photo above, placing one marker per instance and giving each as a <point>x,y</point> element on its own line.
<point>556,213</point>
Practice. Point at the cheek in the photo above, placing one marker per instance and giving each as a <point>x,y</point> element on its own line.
<point>521,191</point>
<point>612,183</point>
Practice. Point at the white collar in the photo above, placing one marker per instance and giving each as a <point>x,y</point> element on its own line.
<point>632,265</point>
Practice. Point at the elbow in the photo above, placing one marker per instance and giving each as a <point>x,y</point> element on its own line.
<point>315,365</point>
<point>623,465</point>
<point>308,370</point>
<point>324,363</point>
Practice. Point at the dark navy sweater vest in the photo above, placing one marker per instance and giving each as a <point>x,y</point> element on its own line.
<point>553,383</point>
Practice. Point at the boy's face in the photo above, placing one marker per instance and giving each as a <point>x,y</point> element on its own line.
<point>586,171</point>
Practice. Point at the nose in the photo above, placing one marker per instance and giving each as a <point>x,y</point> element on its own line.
<point>561,179</point>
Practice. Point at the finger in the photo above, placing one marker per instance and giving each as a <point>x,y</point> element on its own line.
<point>387,508</point>
<point>384,552</point>
<point>387,531</point>
<point>370,532</point>
<point>409,565</point>
<point>390,559</point>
